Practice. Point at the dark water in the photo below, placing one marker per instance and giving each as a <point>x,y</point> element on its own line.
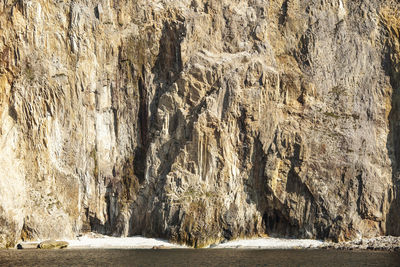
<point>191,257</point>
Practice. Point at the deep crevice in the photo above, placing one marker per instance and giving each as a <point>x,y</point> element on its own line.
<point>283,14</point>
<point>143,121</point>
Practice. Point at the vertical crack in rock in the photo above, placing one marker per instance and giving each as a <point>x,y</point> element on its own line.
<point>284,12</point>
<point>141,151</point>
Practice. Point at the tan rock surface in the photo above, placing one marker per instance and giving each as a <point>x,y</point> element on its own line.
<point>199,120</point>
<point>53,244</point>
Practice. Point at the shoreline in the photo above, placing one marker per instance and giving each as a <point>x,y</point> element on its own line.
<point>270,243</point>
<point>134,242</point>
<point>381,243</point>
<point>94,241</point>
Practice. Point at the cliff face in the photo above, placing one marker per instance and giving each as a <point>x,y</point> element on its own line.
<point>200,120</point>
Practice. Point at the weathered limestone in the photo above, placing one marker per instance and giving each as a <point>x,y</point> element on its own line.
<point>199,120</point>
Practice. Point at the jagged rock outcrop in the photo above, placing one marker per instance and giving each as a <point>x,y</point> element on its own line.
<point>199,120</point>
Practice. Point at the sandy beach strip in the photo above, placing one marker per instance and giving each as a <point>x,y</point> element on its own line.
<point>271,243</point>
<point>106,242</point>
<point>139,242</point>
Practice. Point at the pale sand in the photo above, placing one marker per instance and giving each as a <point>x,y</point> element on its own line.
<point>135,242</point>
<point>138,242</point>
<point>271,243</point>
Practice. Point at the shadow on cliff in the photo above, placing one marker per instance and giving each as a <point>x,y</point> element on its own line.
<point>393,146</point>
<point>114,191</point>
<point>277,218</point>
<point>166,70</point>
<point>275,221</point>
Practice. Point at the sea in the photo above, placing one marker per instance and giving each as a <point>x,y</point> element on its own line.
<point>196,257</point>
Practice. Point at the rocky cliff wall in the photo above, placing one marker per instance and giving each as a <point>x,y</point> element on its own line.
<point>200,120</point>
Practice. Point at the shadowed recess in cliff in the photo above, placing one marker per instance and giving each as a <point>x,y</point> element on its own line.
<point>277,218</point>
<point>284,13</point>
<point>393,227</point>
<point>391,65</point>
<point>143,119</point>
<point>256,186</point>
<point>393,217</point>
<point>169,60</point>
<point>167,68</point>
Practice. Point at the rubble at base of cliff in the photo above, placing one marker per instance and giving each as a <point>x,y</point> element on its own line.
<point>383,243</point>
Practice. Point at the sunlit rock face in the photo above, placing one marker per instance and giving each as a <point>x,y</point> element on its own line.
<point>201,120</point>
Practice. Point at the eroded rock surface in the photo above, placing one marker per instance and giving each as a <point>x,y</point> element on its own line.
<point>53,244</point>
<point>199,120</point>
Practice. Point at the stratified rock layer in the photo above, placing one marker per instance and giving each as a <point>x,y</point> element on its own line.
<point>199,120</point>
